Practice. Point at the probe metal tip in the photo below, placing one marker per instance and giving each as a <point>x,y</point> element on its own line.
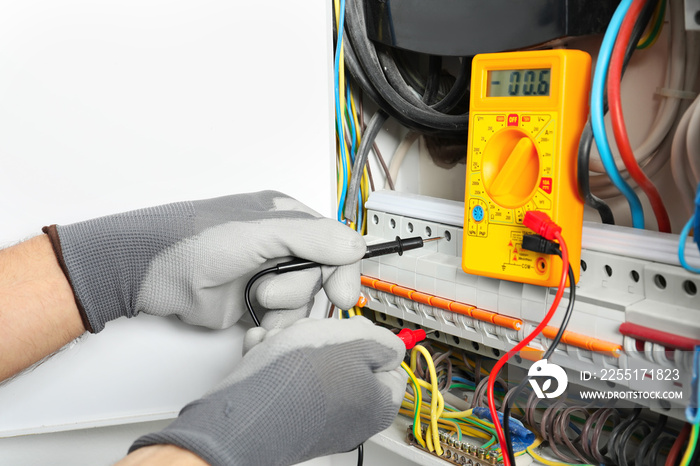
<point>432,239</point>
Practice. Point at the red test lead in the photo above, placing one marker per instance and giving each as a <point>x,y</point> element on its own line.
<point>411,337</point>
<point>540,223</point>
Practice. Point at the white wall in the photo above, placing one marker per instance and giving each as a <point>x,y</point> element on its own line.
<point>112,105</point>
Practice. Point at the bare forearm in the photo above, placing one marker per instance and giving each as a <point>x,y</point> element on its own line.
<point>38,314</point>
<point>166,455</point>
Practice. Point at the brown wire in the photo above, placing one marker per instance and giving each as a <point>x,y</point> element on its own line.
<point>369,175</point>
<point>444,358</point>
<point>549,422</point>
<point>477,369</point>
<point>481,389</point>
<point>561,433</point>
<point>600,454</point>
<point>531,409</point>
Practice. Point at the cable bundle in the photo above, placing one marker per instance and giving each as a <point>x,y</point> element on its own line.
<point>397,89</point>
<point>576,434</point>
<point>432,375</point>
<point>625,33</point>
<point>400,91</point>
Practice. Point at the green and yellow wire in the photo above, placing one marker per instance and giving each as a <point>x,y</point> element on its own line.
<point>656,25</point>
<point>437,415</point>
<point>692,443</point>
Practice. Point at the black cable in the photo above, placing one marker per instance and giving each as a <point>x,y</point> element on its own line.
<point>369,61</point>
<point>368,137</point>
<point>585,143</point>
<point>358,74</point>
<point>583,174</point>
<point>648,441</point>
<point>618,431</point>
<point>458,88</point>
<point>639,425</point>
<point>664,441</point>
<point>547,355</point>
<point>248,287</point>
<point>433,84</point>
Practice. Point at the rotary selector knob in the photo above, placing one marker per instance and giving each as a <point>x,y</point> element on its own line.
<point>510,168</point>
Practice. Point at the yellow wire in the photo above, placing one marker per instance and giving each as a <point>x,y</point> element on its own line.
<point>690,449</point>
<point>341,93</point>
<point>416,428</point>
<point>408,410</point>
<point>458,414</point>
<point>364,192</point>
<point>433,431</point>
<point>364,183</point>
<point>339,168</point>
<point>429,440</point>
<point>531,451</point>
<point>353,113</point>
<point>652,22</point>
<point>653,41</point>
<point>435,393</point>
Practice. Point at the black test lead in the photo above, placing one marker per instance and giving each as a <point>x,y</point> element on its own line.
<point>398,246</point>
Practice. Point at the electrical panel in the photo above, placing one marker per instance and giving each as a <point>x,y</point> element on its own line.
<point>637,310</point>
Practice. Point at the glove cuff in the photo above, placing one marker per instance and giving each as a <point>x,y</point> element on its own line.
<point>55,241</point>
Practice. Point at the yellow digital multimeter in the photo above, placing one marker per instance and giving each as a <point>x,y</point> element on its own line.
<point>527,112</point>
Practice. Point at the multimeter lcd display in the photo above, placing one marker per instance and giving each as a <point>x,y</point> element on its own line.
<point>511,83</point>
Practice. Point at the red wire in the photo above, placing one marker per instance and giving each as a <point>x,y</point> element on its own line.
<point>501,362</point>
<point>618,121</point>
<point>676,447</point>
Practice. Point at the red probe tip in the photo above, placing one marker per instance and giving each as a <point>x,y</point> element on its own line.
<point>411,337</point>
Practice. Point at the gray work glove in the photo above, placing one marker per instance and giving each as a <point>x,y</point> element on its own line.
<point>316,388</point>
<point>193,260</point>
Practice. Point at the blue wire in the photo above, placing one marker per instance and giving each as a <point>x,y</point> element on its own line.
<point>339,111</point>
<point>597,96</point>
<point>462,380</point>
<point>696,237</point>
<point>353,144</point>
<point>692,411</point>
<point>681,246</point>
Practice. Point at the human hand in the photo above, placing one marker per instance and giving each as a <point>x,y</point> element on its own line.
<point>316,388</point>
<point>193,259</point>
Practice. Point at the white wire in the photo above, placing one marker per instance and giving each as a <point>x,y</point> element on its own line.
<point>693,136</point>
<point>668,110</point>
<point>693,143</point>
<point>678,156</point>
<point>399,155</point>
<point>606,190</point>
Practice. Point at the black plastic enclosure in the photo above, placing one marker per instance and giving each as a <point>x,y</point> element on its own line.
<point>468,27</point>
